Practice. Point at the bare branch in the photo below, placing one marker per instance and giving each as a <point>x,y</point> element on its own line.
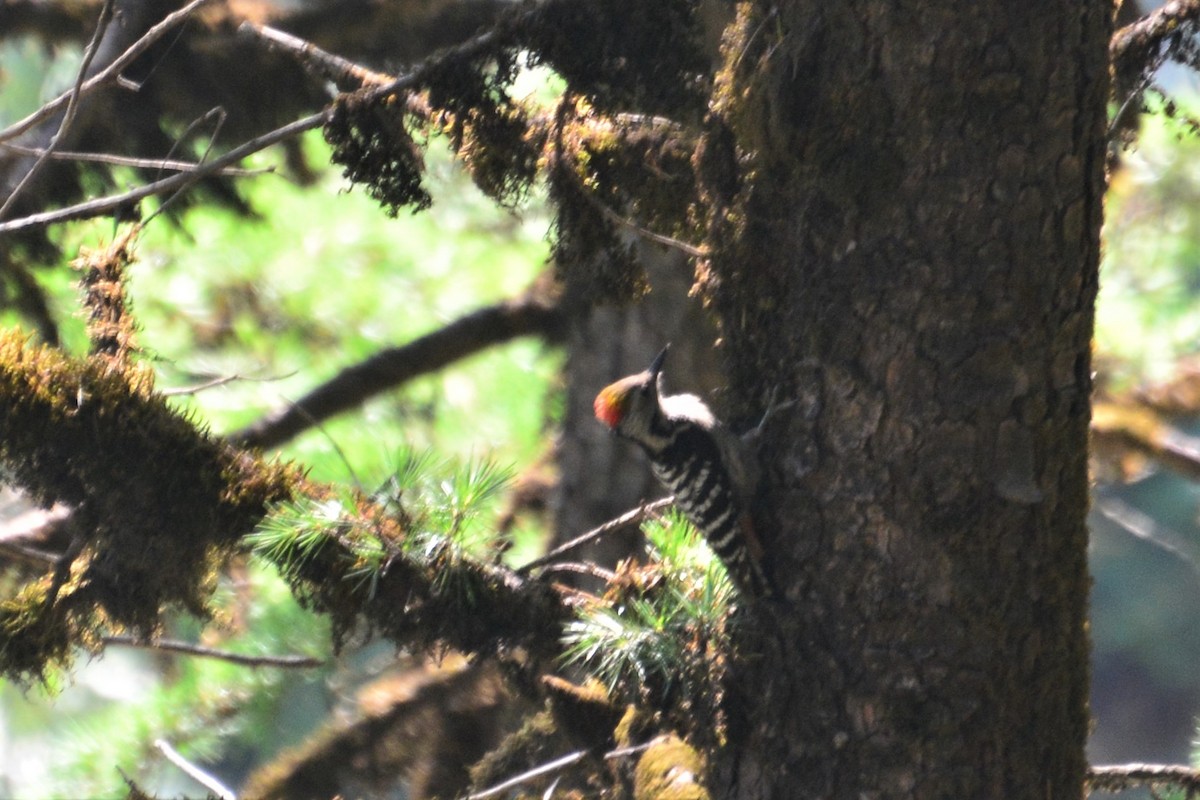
<point>216,115</point>
<point>111,73</point>
<point>175,646</point>
<point>631,517</point>
<point>220,380</point>
<point>195,773</point>
<point>39,526</point>
<point>525,777</point>
<point>30,555</point>
<point>183,180</point>
<point>1132,47</point>
<point>1117,778</point>
<point>165,164</point>
<point>324,64</point>
<point>667,241</point>
<point>89,53</point>
<point>526,315</point>
<point>553,766</point>
<point>1130,426</point>
<point>467,50</point>
<point>578,568</point>
<point>1141,525</point>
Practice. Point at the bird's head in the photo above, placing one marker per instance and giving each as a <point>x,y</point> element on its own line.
<point>630,405</point>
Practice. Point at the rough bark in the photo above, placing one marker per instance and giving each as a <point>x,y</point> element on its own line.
<point>913,258</point>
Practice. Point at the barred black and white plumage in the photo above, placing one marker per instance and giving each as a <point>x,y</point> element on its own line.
<point>697,459</point>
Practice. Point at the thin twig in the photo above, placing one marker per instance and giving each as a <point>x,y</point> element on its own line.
<point>102,205</point>
<point>186,648</point>
<point>219,115</point>
<point>341,454</point>
<point>1118,119</point>
<point>164,164</point>
<point>554,766</point>
<point>219,381</point>
<point>592,570</point>
<point>89,53</point>
<point>525,777</point>
<point>109,73</point>
<point>1141,525</point>
<point>325,64</point>
<point>632,750</point>
<point>30,555</point>
<point>467,50</point>
<point>631,517</point>
<point>216,113</point>
<point>195,773</point>
<point>677,244</point>
<point>183,391</point>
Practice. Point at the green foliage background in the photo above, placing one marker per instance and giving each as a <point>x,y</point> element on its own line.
<point>322,279</point>
<point>1146,568</point>
<point>319,282</point>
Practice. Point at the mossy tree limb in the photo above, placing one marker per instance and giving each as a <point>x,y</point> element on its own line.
<point>153,498</point>
<point>362,562</point>
<point>156,502</point>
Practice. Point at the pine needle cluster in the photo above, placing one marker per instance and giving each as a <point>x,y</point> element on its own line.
<point>658,636</point>
<point>409,560</point>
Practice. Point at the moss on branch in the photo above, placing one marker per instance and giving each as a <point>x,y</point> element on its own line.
<point>370,569</point>
<point>154,500</point>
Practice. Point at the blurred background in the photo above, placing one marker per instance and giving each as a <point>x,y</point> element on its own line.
<point>263,289</point>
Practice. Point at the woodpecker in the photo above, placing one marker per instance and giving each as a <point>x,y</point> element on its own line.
<point>697,459</point>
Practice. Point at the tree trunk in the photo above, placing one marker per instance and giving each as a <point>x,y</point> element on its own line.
<point>913,259</point>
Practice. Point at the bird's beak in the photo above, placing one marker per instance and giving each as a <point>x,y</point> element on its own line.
<point>657,364</point>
